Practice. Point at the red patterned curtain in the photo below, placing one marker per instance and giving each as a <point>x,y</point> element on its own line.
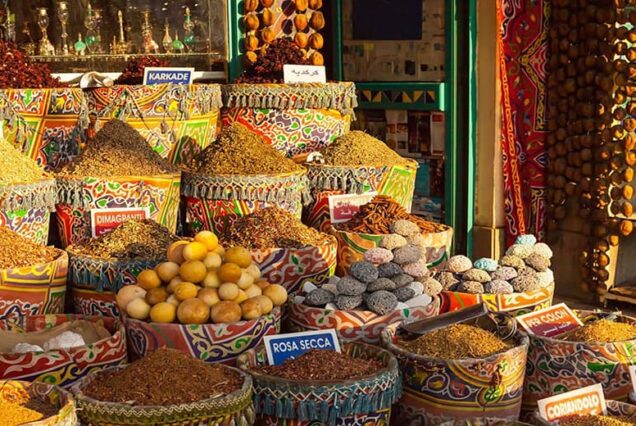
<point>522,49</point>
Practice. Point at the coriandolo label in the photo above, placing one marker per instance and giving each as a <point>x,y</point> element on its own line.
<point>281,347</point>
<point>588,401</point>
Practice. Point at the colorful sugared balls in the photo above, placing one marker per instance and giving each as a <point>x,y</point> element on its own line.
<point>407,254</point>
<point>382,302</point>
<point>389,270</point>
<point>381,284</point>
<point>392,241</point>
<point>459,264</point>
<point>348,303</point>
<point>486,264</point>
<point>378,255</point>
<point>365,272</point>
<point>519,250</point>
<point>475,274</point>
<point>350,286</point>
<point>527,240</point>
<point>431,287</point>
<point>405,228</point>
<point>498,287</point>
<point>470,287</point>
<point>319,297</point>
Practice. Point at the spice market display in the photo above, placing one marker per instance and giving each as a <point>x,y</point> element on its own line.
<point>201,225</point>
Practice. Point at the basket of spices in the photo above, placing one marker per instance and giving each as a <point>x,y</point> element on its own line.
<point>357,386</point>
<point>27,195</point>
<point>459,372</point>
<point>618,414</point>
<point>42,118</point>
<point>485,422</point>
<point>166,387</point>
<point>33,277</point>
<point>600,351</point>
<point>354,164</point>
<point>238,175</point>
<point>371,228</point>
<point>35,404</point>
<point>101,266</point>
<point>287,251</point>
<point>116,170</point>
<point>388,286</point>
<point>59,349</point>
<point>208,302</point>
<point>520,282</point>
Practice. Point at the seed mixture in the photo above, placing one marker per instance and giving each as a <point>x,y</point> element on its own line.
<point>457,341</point>
<point>377,217</point>
<point>135,239</point>
<point>323,365</point>
<point>597,421</point>
<point>118,150</point>
<point>16,167</point>
<point>14,414</point>
<point>602,331</point>
<point>237,151</point>
<point>17,71</point>
<point>358,148</point>
<point>271,227</point>
<point>17,251</point>
<point>165,377</point>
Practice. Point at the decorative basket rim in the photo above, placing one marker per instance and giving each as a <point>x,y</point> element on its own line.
<point>194,175</point>
<point>46,177</point>
<point>230,86</point>
<point>175,175</point>
<point>109,260</point>
<point>61,255</point>
<point>156,86</point>
<point>69,405</point>
<point>392,364</point>
<point>329,240</point>
<point>550,286</point>
<point>76,389</point>
<point>409,163</point>
<point>521,343</point>
<point>59,89</point>
<point>445,229</point>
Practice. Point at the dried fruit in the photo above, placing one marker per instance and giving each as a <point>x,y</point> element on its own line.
<point>317,59</point>
<point>251,42</point>
<point>251,22</point>
<point>267,3</point>
<point>268,17</point>
<point>300,22</point>
<point>250,5</point>
<point>268,35</point>
<point>301,40</point>
<point>301,5</point>
<point>315,4</point>
<point>316,41</point>
<point>250,57</point>
<point>317,21</point>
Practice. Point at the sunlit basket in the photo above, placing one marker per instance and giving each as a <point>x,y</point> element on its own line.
<point>19,392</point>
<point>620,409</point>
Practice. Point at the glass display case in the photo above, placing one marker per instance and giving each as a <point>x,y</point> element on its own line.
<point>82,35</point>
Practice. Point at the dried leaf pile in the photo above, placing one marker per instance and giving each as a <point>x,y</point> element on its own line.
<point>358,148</point>
<point>17,251</point>
<point>602,331</point>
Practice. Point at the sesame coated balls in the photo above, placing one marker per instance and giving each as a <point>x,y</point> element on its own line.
<point>382,302</point>
<point>389,270</point>
<point>364,271</point>
<point>378,255</point>
<point>392,241</point>
<point>406,228</point>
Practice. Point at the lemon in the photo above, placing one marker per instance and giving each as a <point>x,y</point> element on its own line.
<point>193,271</point>
<point>185,291</point>
<point>238,255</point>
<point>229,273</point>
<point>207,238</point>
<point>195,251</point>
<point>167,271</point>
<point>148,279</point>
<point>175,252</point>
<point>163,312</point>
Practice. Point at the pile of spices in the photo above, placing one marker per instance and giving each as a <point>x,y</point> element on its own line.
<point>118,150</point>
<point>16,168</point>
<point>134,71</point>
<point>271,227</point>
<point>135,239</point>
<point>377,217</point>
<point>597,421</point>
<point>602,331</point>
<point>358,148</point>
<point>457,341</point>
<point>323,365</point>
<point>268,67</point>
<point>17,251</point>
<point>14,414</point>
<point>165,377</point>
<point>237,151</point>
<point>17,71</point>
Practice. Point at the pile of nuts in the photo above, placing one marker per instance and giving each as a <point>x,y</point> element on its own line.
<point>524,268</point>
<point>392,276</point>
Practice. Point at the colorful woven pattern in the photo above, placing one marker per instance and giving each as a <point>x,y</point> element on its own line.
<point>46,124</point>
<point>22,391</point>
<point>209,342</point>
<point>30,223</point>
<point>522,63</point>
<point>34,290</point>
<point>177,121</point>
<point>62,367</point>
<point>160,194</point>
<point>440,390</point>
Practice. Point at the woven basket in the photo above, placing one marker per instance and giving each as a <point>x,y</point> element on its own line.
<point>354,326</point>
<point>463,389</point>
<point>26,209</point>
<point>398,182</point>
<point>177,121</point>
<point>45,124</point>
<point>34,290</point>
<point>514,303</point>
<point>208,342</point>
<point>614,409</point>
<point>556,366</point>
<point>235,409</point>
<point>353,245</point>
<point>62,367</point>
<point>212,203</point>
<point>19,392</point>
<point>294,119</point>
<point>77,197</point>
<point>365,401</point>
<point>485,422</point>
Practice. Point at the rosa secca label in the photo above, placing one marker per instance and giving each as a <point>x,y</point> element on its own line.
<point>551,321</point>
<point>281,347</point>
<point>588,401</point>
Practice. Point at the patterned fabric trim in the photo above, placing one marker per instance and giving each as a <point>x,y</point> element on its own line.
<point>37,195</point>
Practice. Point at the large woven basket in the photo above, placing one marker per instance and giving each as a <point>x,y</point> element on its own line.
<point>614,409</point>
<point>62,367</point>
<point>177,121</point>
<point>19,392</point>
<point>365,401</point>
<point>439,390</point>
<point>235,409</point>
<point>485,422</point>
<point>77,197</point>
<point>293,118</point>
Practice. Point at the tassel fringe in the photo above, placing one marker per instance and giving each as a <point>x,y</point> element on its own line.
<point>38,195</point>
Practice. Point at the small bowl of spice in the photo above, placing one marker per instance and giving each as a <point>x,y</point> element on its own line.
<point>166,387</point>
<point>568,361</point>
<point>371,227</point>
<point>482,373</point>
<point>353,164</point>
<point>34,277</point>
<point>618,414</point>
<point>362,382</point>
<point>287,251</point>
<point>35,404</point>
<point>99,267</point>
<point>238,175</point>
